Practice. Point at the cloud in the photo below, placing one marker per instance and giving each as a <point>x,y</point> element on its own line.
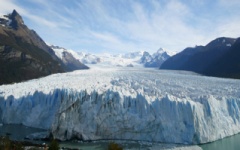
<point>121,26</point>
<point>8,6</point>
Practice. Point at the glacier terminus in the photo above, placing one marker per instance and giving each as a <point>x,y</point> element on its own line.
<point>126,104</point>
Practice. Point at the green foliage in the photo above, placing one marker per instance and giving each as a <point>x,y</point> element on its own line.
<point>7,144</point>
<point>54,145</point>
<point>114,146</point>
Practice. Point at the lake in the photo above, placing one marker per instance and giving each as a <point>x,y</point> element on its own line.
<point>228,143</point>
<point>19,132</point>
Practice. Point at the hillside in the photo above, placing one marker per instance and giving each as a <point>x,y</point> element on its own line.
<point>218,58</point>
<point>227,65</point>
<point>68,58</point>
<point>23,54</point>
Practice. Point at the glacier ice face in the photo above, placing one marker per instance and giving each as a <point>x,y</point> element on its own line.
<point>126,103</point>
<point>114,116</point>
<point>37,110</point>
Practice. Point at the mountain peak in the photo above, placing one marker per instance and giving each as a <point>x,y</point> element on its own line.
<point>160,50</point>
<point>221,41</point>
<point>15,13</point>
<point>16,20</point>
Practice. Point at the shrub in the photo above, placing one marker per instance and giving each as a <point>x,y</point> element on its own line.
<point>114,146</point>
<point>7,144</point>
<point>54,145</point>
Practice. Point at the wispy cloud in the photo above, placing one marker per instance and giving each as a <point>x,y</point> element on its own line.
<point>120,26</point>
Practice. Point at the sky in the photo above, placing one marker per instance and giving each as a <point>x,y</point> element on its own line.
<point>121,26</point>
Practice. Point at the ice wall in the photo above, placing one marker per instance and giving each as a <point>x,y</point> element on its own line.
<point>111,115</point>
<point>148,106</point>
<point>37,110</point>
<point>114,116</point>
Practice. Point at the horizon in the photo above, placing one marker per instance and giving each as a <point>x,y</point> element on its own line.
<point>127,26</point>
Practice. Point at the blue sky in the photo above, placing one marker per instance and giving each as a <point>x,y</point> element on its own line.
<point>119,26</point>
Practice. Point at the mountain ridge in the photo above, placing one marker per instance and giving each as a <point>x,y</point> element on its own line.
<point>68,59</point>
<point>205,59</point>
<point>23,53</point>
<point>130,59</point>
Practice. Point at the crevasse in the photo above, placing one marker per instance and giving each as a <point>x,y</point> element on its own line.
<point>127,107</point>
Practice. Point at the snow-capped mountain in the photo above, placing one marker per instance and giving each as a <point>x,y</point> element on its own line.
<point>132,59</point>
<point>88,58</point>
<point>68,57</point>
<point>122,60</point>
<point>23,53</point>
<point>133,55</point>
<point>154,60</point>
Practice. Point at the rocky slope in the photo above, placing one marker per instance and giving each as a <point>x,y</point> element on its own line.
<point>68,58</point>
<point>228,65</point>
<point>155,60</point>
<point>23,54</point>
<point>209,60</point>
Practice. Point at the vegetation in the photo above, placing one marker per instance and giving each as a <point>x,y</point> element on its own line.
<point>54,145</point>
<point>7,144</point>
<point>114,146</point>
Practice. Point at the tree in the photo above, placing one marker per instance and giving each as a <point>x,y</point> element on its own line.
<point>114,146</point>
<point>54,145</point>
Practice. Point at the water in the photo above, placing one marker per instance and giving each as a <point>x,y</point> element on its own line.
<point>229,143</point>
<point>19,132</point>
<point>85,146</point>
<point>129,145</point>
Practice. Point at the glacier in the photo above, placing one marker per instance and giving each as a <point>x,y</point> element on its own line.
<point>126,104</point>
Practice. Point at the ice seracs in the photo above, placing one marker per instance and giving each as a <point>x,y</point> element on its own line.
<point>126,103</point>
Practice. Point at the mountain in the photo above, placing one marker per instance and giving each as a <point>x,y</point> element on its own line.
<point>154,60</point>
<point>138,58</point>
<point>178,61</point>
<point>23,54</point>
<point>133,55</point>
<point>227,65</point>
<point>68,58</point>
<point>88,58</point>
<point>207,59</point>
<point>117,60</point>
<point>15,28</point>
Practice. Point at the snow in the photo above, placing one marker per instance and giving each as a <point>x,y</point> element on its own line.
<point>88,58</point>
<point>5,21</point>
<point>126,103</point>
<point>133,59</point>
<point>133,55</point>
<point>4,17</point>
<point>121,60</point>
<point>59,52</point>
<point>229,45</point>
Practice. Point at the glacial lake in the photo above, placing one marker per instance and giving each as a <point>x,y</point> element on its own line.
<point>19,132</point>
<point>228,143</point>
